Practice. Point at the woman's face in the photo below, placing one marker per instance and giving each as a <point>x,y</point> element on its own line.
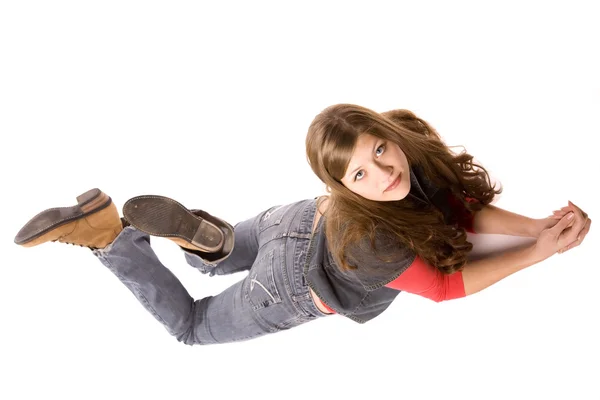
<point>378,170</point>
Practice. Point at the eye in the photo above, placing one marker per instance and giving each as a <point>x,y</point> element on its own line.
<point>356,177</point>
<point>382,147</point>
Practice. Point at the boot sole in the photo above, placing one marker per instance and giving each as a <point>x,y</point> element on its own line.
<point>88,203</point>
<point>162,216</point>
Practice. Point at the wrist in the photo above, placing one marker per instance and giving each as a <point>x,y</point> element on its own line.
<point>539,225</point>
<point>534,255</point>
<point>534,227</point>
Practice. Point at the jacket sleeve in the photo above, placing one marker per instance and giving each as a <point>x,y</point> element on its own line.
<point>427,281</point>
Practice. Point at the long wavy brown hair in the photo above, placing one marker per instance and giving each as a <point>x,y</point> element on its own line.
<point>330,142</point>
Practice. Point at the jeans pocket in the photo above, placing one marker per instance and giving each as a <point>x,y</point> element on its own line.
<point>261,289</point>
<point>272,217</point>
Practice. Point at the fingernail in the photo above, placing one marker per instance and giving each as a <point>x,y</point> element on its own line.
<point>570,216</point>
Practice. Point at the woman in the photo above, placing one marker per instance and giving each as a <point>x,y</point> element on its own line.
<point>396,219</point>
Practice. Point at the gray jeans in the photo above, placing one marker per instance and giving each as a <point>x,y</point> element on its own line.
<point>273,296</point>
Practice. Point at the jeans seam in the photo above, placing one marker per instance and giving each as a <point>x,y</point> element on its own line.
<point>290,286</point>
<point>145,300</point>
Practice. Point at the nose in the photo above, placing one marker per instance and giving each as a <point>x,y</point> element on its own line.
<point>386,175</point>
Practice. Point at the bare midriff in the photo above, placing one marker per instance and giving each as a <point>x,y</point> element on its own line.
<point>321,208</point>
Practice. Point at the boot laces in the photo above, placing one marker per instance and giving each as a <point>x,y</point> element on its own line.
<point>61,240</point>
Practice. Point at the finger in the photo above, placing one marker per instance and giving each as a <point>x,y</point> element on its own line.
<point>568,234</point>
<point>560,214</point>
<point>564,222</point>
<point>585,230</point>
<point>579,219</point>
<point>573,209</point>
<point>582,231</point>
<point>573,206</point>
<point>556,216</point>
<point>578,209</point>
<point>570,246</point>
<point>573,245</point>
<point>579,239</point>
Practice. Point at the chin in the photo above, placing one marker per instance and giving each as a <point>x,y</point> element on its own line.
<point>395,197</point>
<point>398,194</point>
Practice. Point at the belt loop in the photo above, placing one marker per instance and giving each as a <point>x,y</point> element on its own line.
<point>301,297</point>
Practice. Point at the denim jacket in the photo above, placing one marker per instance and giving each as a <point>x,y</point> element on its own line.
<point>355,297</point>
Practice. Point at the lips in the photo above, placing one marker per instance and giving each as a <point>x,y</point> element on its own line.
<point>394,184</point>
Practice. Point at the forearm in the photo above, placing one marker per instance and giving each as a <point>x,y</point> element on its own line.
<point>480,274</point>
<point>495,220</point>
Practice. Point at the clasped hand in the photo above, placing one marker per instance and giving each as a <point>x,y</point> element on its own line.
<point>560,234</point>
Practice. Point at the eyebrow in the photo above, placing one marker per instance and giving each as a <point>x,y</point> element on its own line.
<point>360,166</point>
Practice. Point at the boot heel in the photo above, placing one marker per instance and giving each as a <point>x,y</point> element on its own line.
<point>92,200</point>
<point>88,196</point>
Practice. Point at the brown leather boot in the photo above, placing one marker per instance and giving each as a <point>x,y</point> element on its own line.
<point>94,222</point>
<point>228,232</point>
<point>196,230</point>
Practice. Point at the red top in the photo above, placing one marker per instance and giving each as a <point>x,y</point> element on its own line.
<point>427,281</point>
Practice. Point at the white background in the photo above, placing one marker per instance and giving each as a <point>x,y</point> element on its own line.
<point>209,104</point>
